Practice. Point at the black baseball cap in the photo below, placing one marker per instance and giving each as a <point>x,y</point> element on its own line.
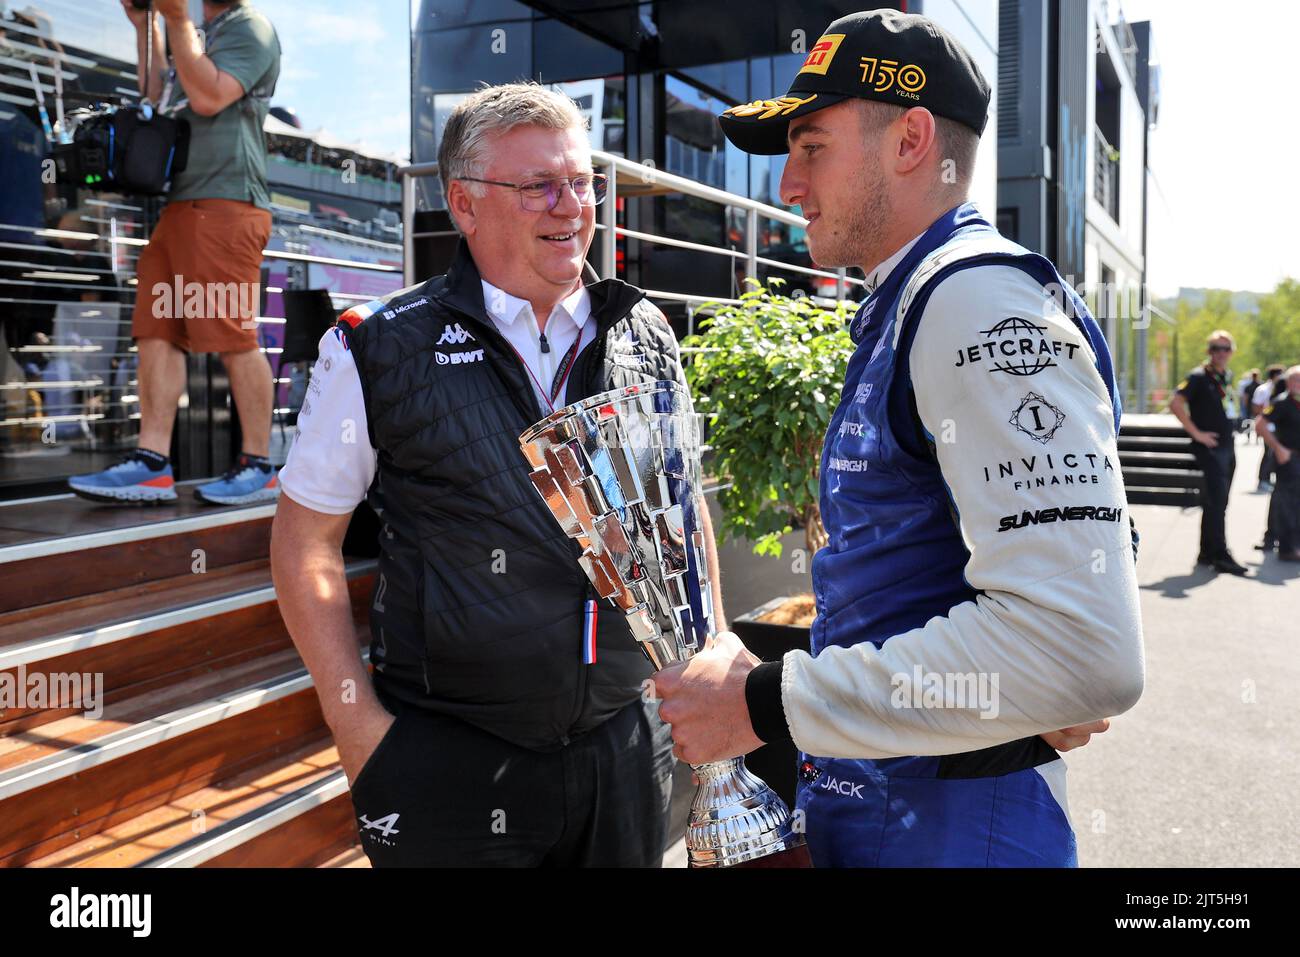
<point>883,55</point>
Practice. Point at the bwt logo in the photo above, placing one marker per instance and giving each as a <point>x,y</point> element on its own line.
<point>458,358</point>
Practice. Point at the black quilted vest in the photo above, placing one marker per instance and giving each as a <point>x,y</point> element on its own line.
<point>478,604</point>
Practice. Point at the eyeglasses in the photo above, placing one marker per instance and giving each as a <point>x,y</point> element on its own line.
<point>539,196</point>
<point>1220,348</point>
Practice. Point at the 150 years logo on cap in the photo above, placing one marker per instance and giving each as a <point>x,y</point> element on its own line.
<point>882,74</point>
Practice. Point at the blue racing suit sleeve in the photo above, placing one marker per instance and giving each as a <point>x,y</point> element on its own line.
<point>1026,447</point>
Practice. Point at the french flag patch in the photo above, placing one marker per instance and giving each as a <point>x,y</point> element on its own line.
<point>589,634</point>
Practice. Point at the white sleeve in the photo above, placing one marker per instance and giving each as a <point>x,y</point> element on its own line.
<point>331,463</point>
<point>1033,470</point>
<point>1262,394</point>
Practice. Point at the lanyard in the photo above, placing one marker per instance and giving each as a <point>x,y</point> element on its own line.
<point>561,373</point>
<point>1218,381</point>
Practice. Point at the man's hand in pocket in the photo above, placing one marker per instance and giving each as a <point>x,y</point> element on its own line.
<point>357,742</point>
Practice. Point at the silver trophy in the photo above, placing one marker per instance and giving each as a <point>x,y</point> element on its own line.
<point>620,472</point>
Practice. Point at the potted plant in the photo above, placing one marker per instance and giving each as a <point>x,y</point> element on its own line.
<point>766,375</point>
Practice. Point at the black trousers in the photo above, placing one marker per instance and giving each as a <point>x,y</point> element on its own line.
<point>1267,465</point>
<point>439,792</point>
<point>1218,466</point>
<point>1284,507</point>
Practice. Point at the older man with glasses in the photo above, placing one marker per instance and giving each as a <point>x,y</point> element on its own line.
<point>1201,405</point>
<point>505,723</point>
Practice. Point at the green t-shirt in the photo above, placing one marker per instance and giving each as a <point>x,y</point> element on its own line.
<point>228,151</point>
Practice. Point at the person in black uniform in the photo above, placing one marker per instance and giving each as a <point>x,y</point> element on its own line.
<point>1279,427</point>
<point>1201,405</point>
<point>1246,392</point>
<point>1268,463</point>
<point>506,722</point>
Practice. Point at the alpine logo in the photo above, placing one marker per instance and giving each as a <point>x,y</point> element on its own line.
<point>454,335</point>
<point>386,826</point>
<point>845,788</point>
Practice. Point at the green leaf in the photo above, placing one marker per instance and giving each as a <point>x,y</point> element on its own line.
<point>769,381</point>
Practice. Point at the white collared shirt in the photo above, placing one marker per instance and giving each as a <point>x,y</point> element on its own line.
<point>332,477</point>
<point>514,319</point>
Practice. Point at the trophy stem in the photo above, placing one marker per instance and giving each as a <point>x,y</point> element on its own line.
<point>736,817</point>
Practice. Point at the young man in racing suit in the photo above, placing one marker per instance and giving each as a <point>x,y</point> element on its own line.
<point>979,587</point>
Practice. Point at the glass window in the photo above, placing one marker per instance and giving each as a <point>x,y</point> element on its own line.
<point>731,79</point>
<point>562,53</point>
<point>784,69</point>
<point>445,14</point>
<point>463,58</point>
<point>694,144</point>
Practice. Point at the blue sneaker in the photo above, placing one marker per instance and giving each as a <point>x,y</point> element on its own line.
<point>130,482</point>
<point>242,485</point>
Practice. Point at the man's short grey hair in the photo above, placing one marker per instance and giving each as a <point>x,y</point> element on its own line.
<point>492,111</point>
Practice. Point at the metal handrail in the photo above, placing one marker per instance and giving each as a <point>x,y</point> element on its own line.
<point>127,241</point>
<point>619,167</point>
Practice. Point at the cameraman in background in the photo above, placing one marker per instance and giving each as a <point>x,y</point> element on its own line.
<point>212,232</point>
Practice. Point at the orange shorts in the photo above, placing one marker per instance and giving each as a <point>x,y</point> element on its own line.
<point>199,279</point>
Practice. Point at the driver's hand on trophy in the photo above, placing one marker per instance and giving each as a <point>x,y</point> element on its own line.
<point>704,701</point>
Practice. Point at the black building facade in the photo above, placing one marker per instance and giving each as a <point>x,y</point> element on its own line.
<point>653,77</point>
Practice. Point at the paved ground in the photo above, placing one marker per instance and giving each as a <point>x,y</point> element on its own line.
<point>1205,770</point>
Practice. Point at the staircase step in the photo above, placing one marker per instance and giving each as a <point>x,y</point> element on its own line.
<point>301,829</point>
<point>54,550</point>
<point>354,856</point>
<point>1150,424</point>
<point>1162,496</point>
<point>1155,443</point>
<point>176,633</point>
<point>67,793</point>
<point>1162,478</point>
<point>70,733</point>
<point>206,813</point>
<point>86,612</point>
<point>1184,461</point>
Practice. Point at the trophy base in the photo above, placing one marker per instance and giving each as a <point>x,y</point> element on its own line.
<point>737,820</point>
<point>794,857</point>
